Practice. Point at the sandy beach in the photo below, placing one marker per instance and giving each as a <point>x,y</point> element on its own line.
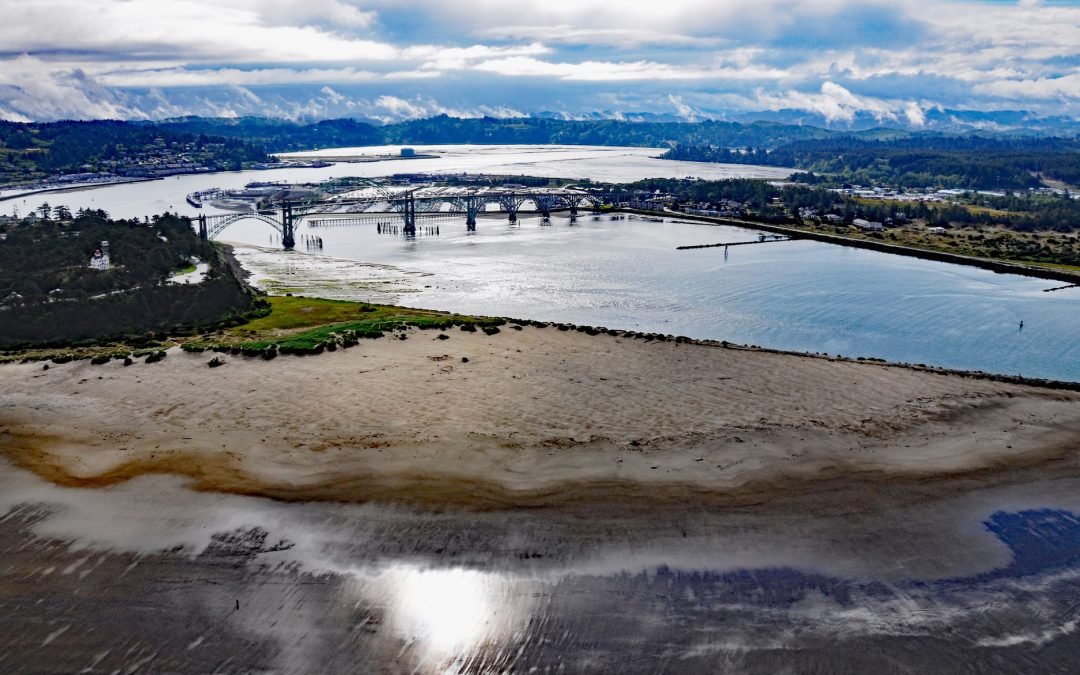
<point>557,501</point>
<point>532,418</point>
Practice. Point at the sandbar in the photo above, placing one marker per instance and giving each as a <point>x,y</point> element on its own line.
<point>535,418</point>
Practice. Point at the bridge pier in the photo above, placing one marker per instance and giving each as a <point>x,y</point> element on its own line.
<point>512,203</point>
<point>471,205</point>
<point>546,204</point>
<point>288,227</point>
<point>410,216</point>
<point>203,233</point>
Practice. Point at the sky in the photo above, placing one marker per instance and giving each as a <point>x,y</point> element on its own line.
<point>388,60</point>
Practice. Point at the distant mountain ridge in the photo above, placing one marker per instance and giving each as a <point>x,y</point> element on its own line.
<point>32,148</point>
<point>629,129</point>
<point>283,136</point>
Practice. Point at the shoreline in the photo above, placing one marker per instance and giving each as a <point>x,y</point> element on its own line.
<point>243,274</point>
<point>79,188</point>
<point>998,266</point>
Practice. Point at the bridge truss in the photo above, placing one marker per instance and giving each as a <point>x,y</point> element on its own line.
<point>409,205</point>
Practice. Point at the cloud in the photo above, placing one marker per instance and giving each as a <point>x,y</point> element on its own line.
<point>399,108</point>
<point>889,58</point>
<point>836,104</point>
<point>618,71</point>
<point>916,116</point>
<point>330,13</point>
<point>1066,87</point>
<point>624,38</point>
<point>29,90</point>
<point>225,30</point>
<point>234,77</point>
<point>389,109</point>
<point>685,111</point>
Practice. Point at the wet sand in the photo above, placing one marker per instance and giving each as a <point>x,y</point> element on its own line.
<point>147,576</point>
<point>559,502</point>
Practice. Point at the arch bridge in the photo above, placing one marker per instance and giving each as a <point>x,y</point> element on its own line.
<point>285,223</point>
<point>412,204</point>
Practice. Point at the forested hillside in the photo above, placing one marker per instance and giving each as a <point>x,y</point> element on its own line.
<point>34,151</point>
<point>876,156</point>
<point>49,295</point>
<point>281,136</point>
<point>927,160</point>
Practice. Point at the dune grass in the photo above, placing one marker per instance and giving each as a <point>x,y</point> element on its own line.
<point>298,325</point>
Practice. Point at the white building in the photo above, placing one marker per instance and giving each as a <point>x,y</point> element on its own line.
<point>100,259</point>
<point>867,225</point>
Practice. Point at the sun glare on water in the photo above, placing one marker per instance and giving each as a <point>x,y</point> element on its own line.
<point>444,609</point>
<point>449,617</point>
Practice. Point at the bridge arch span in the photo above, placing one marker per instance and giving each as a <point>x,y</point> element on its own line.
<point>217,224</point>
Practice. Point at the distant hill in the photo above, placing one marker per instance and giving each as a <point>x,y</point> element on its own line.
<point>913,160</point>
<point>30,151</point>
<point>987,159</point>
<point>284,136</point>
<point>277,135</point>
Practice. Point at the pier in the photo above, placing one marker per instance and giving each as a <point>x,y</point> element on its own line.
<point>762,239</point>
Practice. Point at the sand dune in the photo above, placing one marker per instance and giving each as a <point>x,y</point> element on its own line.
<point>533,418</point>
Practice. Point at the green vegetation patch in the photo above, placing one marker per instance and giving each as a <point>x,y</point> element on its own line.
<point>298,325</point>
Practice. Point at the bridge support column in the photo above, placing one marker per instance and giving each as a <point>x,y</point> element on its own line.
<point>575,201</point>
<point>545,204</point>
<point>203,233</point>
<point>472,205</point>
<point>512,203</point>
<point>410,216</point>
<point>288,227</point>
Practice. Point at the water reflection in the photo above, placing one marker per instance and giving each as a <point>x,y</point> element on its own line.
<point>451,620</point>
<point>442,610</point>
<point>238,584</point>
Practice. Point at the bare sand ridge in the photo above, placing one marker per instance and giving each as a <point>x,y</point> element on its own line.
<point>533,418</point>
